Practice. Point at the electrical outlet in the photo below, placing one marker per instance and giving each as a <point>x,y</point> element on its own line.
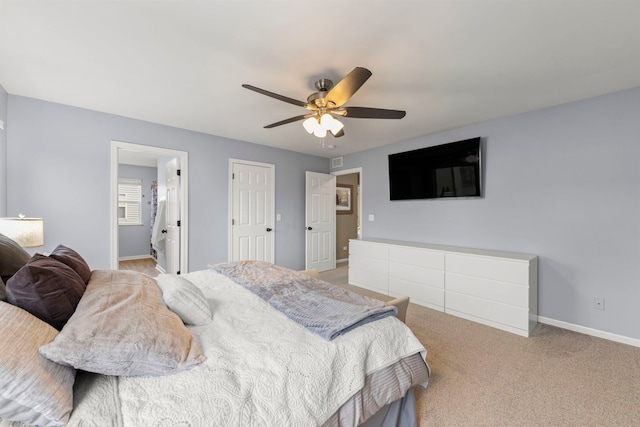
<point>598,303</point>
<point>344,248</point>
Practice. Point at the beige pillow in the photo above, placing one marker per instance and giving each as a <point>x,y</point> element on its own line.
<point>122,327</point>
<point>33,390</point>
<point>185,299</point>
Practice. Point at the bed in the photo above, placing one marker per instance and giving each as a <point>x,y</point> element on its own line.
<point>197,350</point>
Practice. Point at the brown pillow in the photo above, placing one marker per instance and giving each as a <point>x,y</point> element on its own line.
<point>46,288</point>
<point>73,259</point>
<point>12,257</point>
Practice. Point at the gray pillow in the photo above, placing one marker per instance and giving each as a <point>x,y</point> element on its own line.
<point>34,390</point>
<point>122,327</point>
<point>185,299</point>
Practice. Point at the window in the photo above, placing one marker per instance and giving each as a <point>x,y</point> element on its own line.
<point>129,201</point>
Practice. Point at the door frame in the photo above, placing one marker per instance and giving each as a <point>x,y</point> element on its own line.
<point>348,172</point>
<point>272,169</point>
<point>183,158</point>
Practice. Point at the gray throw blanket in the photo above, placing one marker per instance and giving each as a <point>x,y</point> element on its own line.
<point>320,307</point>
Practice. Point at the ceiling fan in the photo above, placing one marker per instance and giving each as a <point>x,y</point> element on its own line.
<point>328,102</point>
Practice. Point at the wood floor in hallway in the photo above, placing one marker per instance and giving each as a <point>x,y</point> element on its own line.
<point>143,265</point>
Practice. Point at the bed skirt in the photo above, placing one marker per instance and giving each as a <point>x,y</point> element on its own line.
<point>392,384</point>
<point>401,413</point>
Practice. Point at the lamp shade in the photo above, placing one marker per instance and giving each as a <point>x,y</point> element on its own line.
<point>27,232</point>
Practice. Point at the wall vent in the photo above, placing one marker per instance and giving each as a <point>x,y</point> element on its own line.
<point>336,163</point>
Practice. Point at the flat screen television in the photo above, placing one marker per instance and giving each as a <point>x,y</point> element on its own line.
<point>450,170</point>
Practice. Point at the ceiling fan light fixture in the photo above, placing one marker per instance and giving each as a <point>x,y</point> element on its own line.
<point>320,132</point>
<point>336,126</point>
<point>330,123</point>
<point>311,124</point>
<point>326,121</point>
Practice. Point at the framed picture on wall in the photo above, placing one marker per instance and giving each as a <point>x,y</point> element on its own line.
<point>344,199</point>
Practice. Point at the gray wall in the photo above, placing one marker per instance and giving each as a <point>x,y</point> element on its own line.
<point>59,170</point>
<point>562,183</point>
<point>134,240</point>
<point>4,97</point>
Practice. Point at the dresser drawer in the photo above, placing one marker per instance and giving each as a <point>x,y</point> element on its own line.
<point>491,311</point>
<point>367,279</point>
<point>369,250</point>
<point>484,267</point>
<point>429,296</point>
<point>502,292</point>
<point>419,257</point>
<point>416,274</point>
<point>370,264</point>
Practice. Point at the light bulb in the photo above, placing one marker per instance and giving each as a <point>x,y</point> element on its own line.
<point>311,124</point>
<point>320,132</point>
<point>326,121</point>
<point>336,126</point>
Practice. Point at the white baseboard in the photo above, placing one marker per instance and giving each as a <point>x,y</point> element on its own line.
<point>588,331</point>
<point>342,260</point>
<point>160,269</point>
<point>134,257</point>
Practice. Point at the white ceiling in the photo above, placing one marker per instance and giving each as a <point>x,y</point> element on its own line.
<point>447,63</point>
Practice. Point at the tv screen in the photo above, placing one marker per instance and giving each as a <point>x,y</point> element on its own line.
<point>443,171</point>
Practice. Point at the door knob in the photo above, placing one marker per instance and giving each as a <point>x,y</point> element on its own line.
<point>309,228</point>
<point>269,229</point>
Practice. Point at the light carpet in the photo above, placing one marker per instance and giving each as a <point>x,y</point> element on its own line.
<point>482,376</point>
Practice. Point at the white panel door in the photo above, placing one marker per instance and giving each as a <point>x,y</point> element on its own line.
<point>172,245</point>
<point>252,212</point>
<point>320,221</point>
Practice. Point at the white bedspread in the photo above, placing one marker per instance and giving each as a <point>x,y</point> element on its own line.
<point>262,369</point>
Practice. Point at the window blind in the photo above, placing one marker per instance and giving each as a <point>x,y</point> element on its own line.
<point>129,201</point>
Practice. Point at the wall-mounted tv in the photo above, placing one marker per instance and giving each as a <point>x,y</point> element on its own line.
<point>443,171</point>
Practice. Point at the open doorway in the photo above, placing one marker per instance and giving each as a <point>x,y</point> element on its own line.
<point>349,215</point>
<point>140,164</point>
<point>137,206</point>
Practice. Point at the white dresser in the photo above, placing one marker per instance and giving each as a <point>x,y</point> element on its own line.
<point>498,289</point>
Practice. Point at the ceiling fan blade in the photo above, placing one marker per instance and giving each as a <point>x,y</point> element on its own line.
<point>290,120</point>
<point>346,87</point>
<point>373,113</point>
<point>339,134</point>
<point>276,96</point>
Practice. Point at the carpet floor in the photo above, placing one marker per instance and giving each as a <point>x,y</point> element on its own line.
<point>482,376</point>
